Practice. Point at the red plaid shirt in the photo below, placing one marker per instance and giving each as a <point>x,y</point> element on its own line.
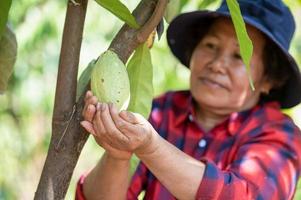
<point>254,154</point>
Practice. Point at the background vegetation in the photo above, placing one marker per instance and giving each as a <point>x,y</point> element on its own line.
<point>26,108</point>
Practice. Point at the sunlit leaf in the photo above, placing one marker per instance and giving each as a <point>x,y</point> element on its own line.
<point>140,72</point>
<point>245,43</point>
<point>120,11</point>
<point>4,8</point>
<point>183,3</point>
<point>205,3</point>
<point>172,10</point>
<point>84,79</point>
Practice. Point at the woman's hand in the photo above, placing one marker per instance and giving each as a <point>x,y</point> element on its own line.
<point>125,130</point>
<point>89,113</point>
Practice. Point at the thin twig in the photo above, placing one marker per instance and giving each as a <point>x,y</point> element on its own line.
<point>57,147</point>
<point>75,3</point>
<point>153,21</point>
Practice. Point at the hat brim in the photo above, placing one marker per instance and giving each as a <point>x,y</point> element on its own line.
<point>184,32</point>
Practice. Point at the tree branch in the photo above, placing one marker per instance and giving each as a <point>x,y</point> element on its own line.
<point>154,20</point>
<point>127,39</point>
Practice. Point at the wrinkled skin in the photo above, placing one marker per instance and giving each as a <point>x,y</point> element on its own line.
<point>219,81</point>
<point>119,133</point>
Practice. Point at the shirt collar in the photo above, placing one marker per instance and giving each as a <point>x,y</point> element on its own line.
<point>234,121</point>
<point>188,111</point>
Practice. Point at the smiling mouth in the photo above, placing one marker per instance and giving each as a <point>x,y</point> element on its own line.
<point>212,84</point>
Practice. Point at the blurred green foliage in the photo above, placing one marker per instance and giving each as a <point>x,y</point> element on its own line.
<point>26,108</point>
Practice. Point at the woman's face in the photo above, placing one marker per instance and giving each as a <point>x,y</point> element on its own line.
<point>219,79</point>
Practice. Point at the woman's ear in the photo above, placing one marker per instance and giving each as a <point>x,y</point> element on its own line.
<point>266,86</point>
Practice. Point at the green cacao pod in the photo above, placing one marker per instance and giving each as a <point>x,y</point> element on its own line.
<point>110,81</point>
<point>8,55</point>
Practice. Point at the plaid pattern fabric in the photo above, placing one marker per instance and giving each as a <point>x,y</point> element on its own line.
<point>254,154</point>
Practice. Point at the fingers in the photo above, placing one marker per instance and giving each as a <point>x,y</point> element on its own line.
<point>89,112</point>
<point>90,98</point>
<point>113,133</point>
<point>110,128</point>
<point>118,121</point>
<point>105,128</point>
<point>98,125</point>
<point>124,120</point>
<point>134,127</point>
<point>129,117</point>
<point>88,126</point>
<point>88,94</point>
<point>89,107</point>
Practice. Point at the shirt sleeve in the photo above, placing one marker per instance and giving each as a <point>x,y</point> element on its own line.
<point>267,167</point>
<point>79,194</point>
<point>138,182</point>
<point>140,177</point>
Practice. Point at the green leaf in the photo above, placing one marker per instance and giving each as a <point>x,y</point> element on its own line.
<point>120,11</point>
<point>140,72</point>
<point>245,43</point>
<point>205,3</point>
<point>84,79</point>
<point>4,9</point>
<point>172,10</point>
<point>183,3</point>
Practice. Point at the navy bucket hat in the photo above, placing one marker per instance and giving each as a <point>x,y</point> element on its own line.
<point>272,17</point>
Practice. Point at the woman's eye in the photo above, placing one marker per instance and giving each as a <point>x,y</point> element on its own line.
<point>237,56</point>
<point>210,45</point>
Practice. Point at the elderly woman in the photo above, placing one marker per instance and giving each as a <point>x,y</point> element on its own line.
<point>220,139</point>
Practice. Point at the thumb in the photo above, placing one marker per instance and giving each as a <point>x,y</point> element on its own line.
<point>129,117</point>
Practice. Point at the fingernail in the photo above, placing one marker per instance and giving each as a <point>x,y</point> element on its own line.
<point>82,123</point>
<point>89,93</point>
<point>98,106</point>
<point>103,107</point>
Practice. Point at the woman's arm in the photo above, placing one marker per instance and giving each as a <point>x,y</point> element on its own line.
<point>177,171</point>
<point>108,180</point>
<point>265,167</point>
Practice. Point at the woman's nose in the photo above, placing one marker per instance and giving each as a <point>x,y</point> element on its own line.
<point>219,63</point>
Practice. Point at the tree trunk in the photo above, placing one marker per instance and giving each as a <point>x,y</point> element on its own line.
<point>68,138</point>
<point>62,158</point>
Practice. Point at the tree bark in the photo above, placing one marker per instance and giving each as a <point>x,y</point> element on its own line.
<point>68,138</point>
<point>60,161</point>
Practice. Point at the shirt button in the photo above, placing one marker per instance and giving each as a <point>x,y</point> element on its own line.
<point>202,143</point>
<point>190,117</point>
